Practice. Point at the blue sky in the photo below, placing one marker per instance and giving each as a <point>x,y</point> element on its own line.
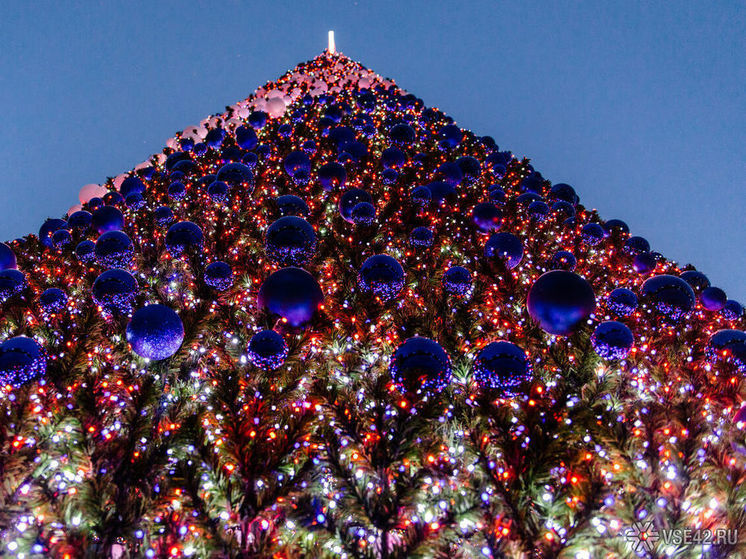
<point>640,106</point>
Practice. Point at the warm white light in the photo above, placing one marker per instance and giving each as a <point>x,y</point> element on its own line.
<point>332,46</point>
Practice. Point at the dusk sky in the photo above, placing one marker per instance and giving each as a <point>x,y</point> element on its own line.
<point>640,106</point>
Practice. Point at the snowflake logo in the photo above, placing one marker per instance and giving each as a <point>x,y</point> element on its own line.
<point>642,536</point>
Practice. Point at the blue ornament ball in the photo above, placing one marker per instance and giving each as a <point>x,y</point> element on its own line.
<point>504,247</point>
<point>115,290</point>
<point>612,340</point>
<point>622,301</point>
<point>155,332</point>
<point>298,166</point>
<point>713,298</point>
<point>363,214</point>
<point>696,280</point>
<point>219,276</point>
<point>218,191</point>
<point>107,218</point>
<point>420,365</point>
<point>61,238</point>
<point>421,196</point>
<point>644,263</point>
<point>402,134</point>
<point>457,281</point>
<point>292,293</point>
<point>560,302</point>
<point>184,237</point>
<point>636,245</point>
<point>114,249</point>
<point>85,251</point>
<point>48,228</point>
<point>350,199</point>
<point>177,190</point>
<point>382,276</point>
<point>163,216</point>
<point>487,217</point>
<point>292,205</point>
<point>332,176</point>
<point>538,210</point>
<point>267,350</point>
<point>501,366</point>
<point>449,136</point>
<point>562,260</point>
<point>732,310</point>
<point>592,234</point>
<point>421,237</point>
<point>290,241</point>
<point>669,295</point>
<point>80,220</point>
<point>131,185</point>
<point>22,361</point>
<point>12,282</point>
<point>7,258</point>
<point>728,346</point>
<point>53,300</point>
<point>236,175</point>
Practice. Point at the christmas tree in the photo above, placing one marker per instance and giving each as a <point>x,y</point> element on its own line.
<point>328,322</point>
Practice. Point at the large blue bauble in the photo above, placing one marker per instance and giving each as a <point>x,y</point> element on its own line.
<point>290,241</point>
<point>402,134</point>
<point>163,215</point>
<point>501,365</point>
<point>504,247</point>
<point>184,236</point>
<point>218,191</point>
<point>563,192</point>
<point>113,198</point>
<point>267,350</point>
<point>7,258</point>
<point>562,260</point>
<point>60,238</point>
<point>728,346</point>
<point>350,199</point>
<point>713,298</point>
<point>135,201</point>
<point>80,220</point>
<point>53,300</point>
<point>131,185</point>
<point>298,166</point>
<point>487,217</point>
<point>420,365</point>
<point>155,332</point>
<point>421,237</point>
<point>441,191</point>
<point>449,172</point>
<point>86,251</point>
<point>732,310</point>
<point>12,282</point>
<point>290,204</point>
<point>449,136</point>
<point>236,175</point>
<point>612,340</point>
<point>617,226</point>
<point>246,137</point>
<point>115,290</point>
<point>22,360</point>
<point>219,276</point>
<point>696,280</point>
<point>48,228</point>
<point>393,158</point>
<point>214,137</point>
<point>292,293</point>
<point>622,301</point>
<point>592,234</point>
<point>470,168</point>
<point>457,281</point>
<point>560,302</point>
<point>538,210</point>
<point>363,213</point>
<point>421,196</point>
<point>114,249</point>
<point>636,245</point>
<point>332,176</point>
<point>644,263</point>
<point>107,218</point>
<point>177,190</point>
<point>382,276</point>
<point>669,295</point>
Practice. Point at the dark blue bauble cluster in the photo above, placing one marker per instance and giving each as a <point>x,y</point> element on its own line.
<point>155,332</point>
<point>669,295</point>
<point>560,302</point>
<point>107,218</point>
<point>612,340</point>
<point>114,249</point>
<point>184,237</point>
<point>48,228</point>
<point>53,300</point>
<point>421,237</point>
<point>298,166</point>
<point>115,290</point>
<point>421,366</point>
<point>487,217</point>
<point>85,251</point>
<point>290,204</point>
<point>22,361</point>
<point>713,298</point>
<point>7,258</point>
<point>12,282</point>
<point>350,199</point>
<point>562,260</point>
<point>293,294</point>
<point>622,301</point>
<point>728,346</point>
<point>501,366</point>
<point>504,247</point>
<point>219,276</point>
<point>457,281</point>
<point>290,241</point>
<point>382,276</point>
<point>267,350</point>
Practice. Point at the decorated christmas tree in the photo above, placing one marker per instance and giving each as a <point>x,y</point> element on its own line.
<point>328,322</point>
